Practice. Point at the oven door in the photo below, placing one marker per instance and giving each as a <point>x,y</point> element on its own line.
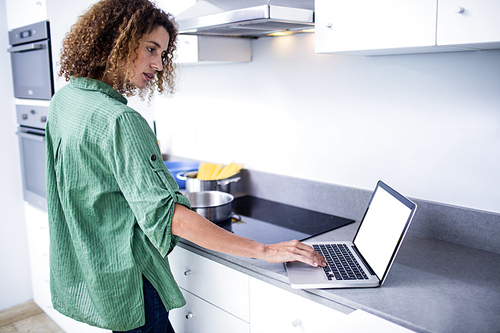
<point>32,70</point>
<point>32,153</point>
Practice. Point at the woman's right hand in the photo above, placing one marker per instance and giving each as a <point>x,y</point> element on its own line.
<point>293,251</point>
<point>195,228</point>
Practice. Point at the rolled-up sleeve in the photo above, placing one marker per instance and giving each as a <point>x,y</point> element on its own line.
<point>144,180</point>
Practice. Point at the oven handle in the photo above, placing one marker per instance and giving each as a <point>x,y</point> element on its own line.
<point>37,137</point>
<point>27,47</point>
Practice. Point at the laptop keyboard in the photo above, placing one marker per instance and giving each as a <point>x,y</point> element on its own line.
<point>342,265</point>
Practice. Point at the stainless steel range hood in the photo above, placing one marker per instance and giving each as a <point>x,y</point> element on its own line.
<point>246,18</point>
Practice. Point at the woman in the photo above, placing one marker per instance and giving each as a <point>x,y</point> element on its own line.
<point>115,212</point>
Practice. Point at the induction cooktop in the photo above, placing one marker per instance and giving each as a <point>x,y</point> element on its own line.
<point>270,222</point>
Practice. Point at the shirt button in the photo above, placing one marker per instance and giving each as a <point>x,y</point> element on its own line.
<point>153,157</point>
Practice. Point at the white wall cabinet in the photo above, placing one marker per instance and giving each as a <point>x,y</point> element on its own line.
<point>212,50</point>
<point>25,12</point>
<point>380,27</point>
<point>473,24</point>
<point>374,27</point>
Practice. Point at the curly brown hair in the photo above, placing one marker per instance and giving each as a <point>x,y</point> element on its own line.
<point>106,38</point>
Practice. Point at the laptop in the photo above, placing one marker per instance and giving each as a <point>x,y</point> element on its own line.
<point>365,262</point>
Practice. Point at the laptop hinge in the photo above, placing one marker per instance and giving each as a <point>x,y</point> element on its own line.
<point>363,260</point>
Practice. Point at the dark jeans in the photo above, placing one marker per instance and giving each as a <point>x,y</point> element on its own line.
<point>156,314</point>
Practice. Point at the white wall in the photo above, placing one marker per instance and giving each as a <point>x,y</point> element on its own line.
<point>15,278</point>
<point>427,124</point>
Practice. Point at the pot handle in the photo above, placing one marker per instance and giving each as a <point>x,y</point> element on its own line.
<point>224,182</point>
<point>182,175</point>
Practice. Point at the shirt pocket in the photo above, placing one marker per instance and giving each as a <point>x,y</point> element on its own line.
<point>167,181</point>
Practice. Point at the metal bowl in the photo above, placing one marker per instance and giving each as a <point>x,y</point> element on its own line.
<point>215,206</point>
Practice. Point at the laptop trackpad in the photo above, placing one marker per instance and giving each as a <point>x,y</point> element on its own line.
<point>304,273</point>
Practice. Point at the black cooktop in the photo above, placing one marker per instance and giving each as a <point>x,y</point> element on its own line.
<point>272,222</point>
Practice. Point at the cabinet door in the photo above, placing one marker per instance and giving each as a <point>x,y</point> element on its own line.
<point>275,310</point>
<point>374,26</point>
<point>200,316</point>
<point>222,286</point>
<point>38,238</point>
<point>37,226</point>
<point>469,23</point>
<point>187,46</point>
<point>211,49</point>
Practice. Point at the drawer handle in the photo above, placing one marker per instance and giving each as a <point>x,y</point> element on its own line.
<point>297,323</point>
<point>188,272</point>
<point>189,315</point>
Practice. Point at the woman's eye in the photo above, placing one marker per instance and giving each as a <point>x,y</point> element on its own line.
<point>150,49</point>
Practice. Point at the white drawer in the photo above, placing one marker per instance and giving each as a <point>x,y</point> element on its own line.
<point>222,286</point>
<point>273,309</point>
<point>200,316</point>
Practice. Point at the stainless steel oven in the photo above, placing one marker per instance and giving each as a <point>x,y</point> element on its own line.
<point>31,133</point>
<point>31,61</point>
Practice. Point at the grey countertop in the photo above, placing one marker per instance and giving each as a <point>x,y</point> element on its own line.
<point>446,277</point>
<point>433,286</point>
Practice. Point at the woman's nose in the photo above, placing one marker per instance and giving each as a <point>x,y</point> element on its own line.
<point>157,63</point>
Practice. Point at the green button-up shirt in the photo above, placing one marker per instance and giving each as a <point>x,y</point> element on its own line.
<point>110,202</point>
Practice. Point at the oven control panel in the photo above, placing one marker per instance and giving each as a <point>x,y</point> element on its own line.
<point>32,116</point>
<point>29,33</point>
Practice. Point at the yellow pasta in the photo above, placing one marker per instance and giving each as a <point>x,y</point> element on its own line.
<point>202,170</point>
<point>214,171</point>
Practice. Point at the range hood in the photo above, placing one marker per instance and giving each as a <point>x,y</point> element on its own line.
<point>246,18</point>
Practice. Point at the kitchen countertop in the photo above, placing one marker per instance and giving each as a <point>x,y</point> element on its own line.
<point>433,286</point>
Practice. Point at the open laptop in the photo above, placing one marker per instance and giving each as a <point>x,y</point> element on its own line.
<point>370,254</point>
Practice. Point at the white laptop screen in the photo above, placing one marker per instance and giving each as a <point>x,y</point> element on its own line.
<point>381,230</point>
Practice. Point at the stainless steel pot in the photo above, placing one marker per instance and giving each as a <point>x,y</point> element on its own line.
<point>194,184</point>
<point>215,206</point>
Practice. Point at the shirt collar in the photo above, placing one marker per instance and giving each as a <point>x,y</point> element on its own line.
<point>93,84</point>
